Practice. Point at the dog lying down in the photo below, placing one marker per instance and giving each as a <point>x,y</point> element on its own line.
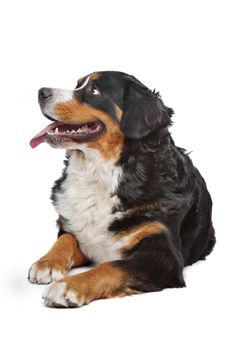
<point>129,200</point>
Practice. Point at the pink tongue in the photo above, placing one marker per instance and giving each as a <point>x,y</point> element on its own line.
<point>39,138</point>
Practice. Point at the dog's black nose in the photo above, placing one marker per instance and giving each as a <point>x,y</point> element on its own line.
<point>44,94</point>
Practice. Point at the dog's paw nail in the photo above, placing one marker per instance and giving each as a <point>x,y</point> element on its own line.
<point>71,304</point>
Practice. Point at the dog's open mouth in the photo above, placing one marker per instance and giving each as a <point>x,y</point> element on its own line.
<point>59,133</point>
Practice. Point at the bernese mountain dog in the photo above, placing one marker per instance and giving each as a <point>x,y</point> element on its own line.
<point>129,201</point>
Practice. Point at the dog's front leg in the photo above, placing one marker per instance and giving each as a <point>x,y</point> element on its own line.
<point>150,263</point>
<point>104,281</point>
<point>54,265</point>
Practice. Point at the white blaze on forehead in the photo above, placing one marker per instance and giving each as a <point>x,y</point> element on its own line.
<point>61,95</point>
<point>84,83</point>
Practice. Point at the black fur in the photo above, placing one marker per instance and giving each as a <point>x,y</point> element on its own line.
<point>162,181</point>
<point>159,184</point>
<point>146,115</point>
<point>154,264</point>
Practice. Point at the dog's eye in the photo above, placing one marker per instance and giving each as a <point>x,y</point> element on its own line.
<point>94,91</point>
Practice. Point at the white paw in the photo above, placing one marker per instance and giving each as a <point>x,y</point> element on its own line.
<point>57,296</point>
<point>44,275</point>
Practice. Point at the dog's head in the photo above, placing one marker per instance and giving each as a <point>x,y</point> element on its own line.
<point>103,110</point>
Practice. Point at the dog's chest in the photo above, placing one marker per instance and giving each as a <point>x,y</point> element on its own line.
<point>85,200</point>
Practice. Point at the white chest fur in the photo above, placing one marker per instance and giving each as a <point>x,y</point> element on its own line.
<point>86,200</point>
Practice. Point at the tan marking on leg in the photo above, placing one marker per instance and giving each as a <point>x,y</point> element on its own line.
<point>79,259</point>
<point>65,252</point>
<point>54,265</point>
<point>104,281</point>
<point>135,234</point>
<point>125,292</point>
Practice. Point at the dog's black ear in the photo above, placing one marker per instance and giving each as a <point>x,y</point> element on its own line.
<point>143,111</point>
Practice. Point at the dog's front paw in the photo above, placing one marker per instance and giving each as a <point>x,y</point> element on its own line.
<point>45,271</point>
<point>58,295</point>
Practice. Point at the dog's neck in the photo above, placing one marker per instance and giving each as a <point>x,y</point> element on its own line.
<point>91,166</point>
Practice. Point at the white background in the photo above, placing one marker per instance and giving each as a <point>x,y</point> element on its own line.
<point>183,49</point>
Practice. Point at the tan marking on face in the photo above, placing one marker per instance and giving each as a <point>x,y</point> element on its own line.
<point>65,253</point>
<point>95,76</point>
<point>110,142</point>
<point>118,112</point>
<point>136,234</point>
<point>104,281</point>
<point>74,112</point>
<point>81,80</point>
